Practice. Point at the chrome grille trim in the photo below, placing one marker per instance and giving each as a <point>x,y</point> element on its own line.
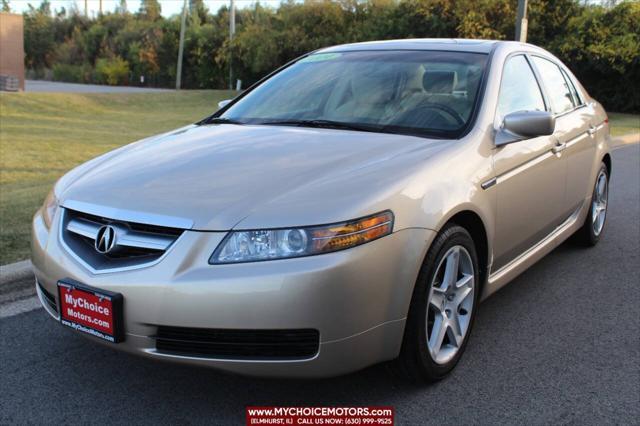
<point>83,227</point>
<point>128,216</point>
<point>140,245</point>
<point>126,237</point>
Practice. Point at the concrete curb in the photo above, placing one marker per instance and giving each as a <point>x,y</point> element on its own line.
<point>13,272</point>
<point>627,139</point>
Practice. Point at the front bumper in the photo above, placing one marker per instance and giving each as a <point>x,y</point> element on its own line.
<point>357,299</point>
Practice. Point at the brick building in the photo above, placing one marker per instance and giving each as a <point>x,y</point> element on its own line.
<point>11,51</point>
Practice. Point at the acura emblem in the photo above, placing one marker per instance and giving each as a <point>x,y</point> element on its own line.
<point>106,239</point>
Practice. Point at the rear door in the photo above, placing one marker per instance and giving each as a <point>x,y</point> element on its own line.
<point>574,130</point>
<point>530,176</point>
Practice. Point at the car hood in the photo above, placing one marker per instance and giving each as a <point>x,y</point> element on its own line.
<point>218,177</point>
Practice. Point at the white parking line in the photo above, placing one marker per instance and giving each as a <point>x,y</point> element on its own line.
<point>19,307</point>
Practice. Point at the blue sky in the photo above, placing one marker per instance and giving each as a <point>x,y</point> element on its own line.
<point>169,7</point>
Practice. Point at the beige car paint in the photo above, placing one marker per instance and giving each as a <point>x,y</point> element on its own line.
<point>528,198</point>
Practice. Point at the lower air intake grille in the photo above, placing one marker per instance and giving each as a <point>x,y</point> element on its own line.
<point>238,344</point>
<point>49,299</point>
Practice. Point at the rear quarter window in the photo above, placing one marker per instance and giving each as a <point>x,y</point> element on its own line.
<point>577,97</point>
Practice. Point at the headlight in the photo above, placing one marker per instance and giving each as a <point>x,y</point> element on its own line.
<point>49,208</point>
<point>269,244</point>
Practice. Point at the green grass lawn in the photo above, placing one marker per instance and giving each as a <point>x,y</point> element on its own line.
<point>623,124</point>
<point>43,135</point>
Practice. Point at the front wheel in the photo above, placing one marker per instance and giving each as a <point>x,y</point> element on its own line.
<point>442,308</point>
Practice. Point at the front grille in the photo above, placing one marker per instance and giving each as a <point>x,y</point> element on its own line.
<point>238,344</point>
<point>135,243</point>
<point>48,299</point>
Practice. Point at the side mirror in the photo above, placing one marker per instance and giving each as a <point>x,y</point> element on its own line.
<point>224,103</point>
<point>523,125</point>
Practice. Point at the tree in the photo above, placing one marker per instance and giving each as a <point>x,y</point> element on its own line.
<point>598,40</point>
<point>122,7</point>
<point>150,10</point>
<point>198,11</point>
<point>601,47</point>
<point>548,20</point>
<point>487,19</point>
<point>39,42</point>
<point>5,6</point>
<point>45,7</point>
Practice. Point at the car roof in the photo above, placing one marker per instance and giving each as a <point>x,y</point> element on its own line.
<point>446,44</point>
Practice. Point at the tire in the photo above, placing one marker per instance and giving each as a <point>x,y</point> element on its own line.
<point>592,230</point>
<point>419,361</point>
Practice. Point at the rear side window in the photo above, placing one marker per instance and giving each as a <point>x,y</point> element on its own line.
<point>519,90</point>
<point>562,99</point>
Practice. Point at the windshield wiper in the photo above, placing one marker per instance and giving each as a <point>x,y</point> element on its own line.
<point>221,120</point>
<point>325,124</point>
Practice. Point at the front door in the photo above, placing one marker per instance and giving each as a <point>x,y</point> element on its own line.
<point>530,175</point>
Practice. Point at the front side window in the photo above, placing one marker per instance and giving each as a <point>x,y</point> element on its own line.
<point>557,87</point>
<point>428,93</point>
<point>519,90</point>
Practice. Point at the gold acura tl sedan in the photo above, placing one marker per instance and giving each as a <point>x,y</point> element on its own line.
<point>352,207</point>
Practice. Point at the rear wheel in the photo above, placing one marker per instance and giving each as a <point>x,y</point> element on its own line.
<point>593,227</point>
<point>442,308</point>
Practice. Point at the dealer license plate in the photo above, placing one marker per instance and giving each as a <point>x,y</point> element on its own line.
<point>91,310</point>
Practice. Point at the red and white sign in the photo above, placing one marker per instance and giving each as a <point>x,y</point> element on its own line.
<point>319,416</point>
<point>87,311</point>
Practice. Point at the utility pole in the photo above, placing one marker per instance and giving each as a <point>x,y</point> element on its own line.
<point>100,9</point>
<point>181,47</point>
<point>86,9</point>
<point>521,22</point>
<point>232,31</point>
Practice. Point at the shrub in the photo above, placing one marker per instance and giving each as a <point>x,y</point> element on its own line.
<point>71,73</point>
<point>112,71</point>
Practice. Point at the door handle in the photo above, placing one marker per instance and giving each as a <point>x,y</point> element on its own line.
<point>558,148</point>
<point>591,131</point>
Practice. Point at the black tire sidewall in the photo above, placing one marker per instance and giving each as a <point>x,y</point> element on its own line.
<point>415,348</point>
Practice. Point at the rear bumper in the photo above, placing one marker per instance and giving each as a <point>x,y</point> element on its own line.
<point>356,299</point>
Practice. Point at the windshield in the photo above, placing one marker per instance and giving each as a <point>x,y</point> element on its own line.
<point>429,93</point>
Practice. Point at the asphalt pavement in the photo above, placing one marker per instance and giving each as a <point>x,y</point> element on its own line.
<point>59,87</point>
<point>559,345</point>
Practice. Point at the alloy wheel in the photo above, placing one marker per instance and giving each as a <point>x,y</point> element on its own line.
<point>451,296</point>
<point>599,203</point>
